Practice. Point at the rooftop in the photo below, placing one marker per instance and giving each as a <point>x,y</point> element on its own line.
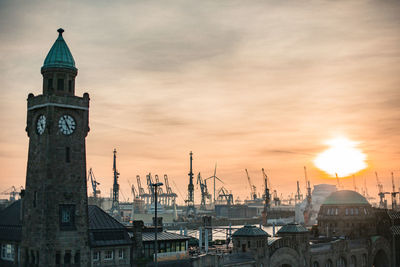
<point>163,236</point>
<point>345,197</point>
<point>250,230</point>
<point>292,228</point>
<point>59,55</point>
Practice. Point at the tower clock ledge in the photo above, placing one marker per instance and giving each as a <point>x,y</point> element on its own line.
<point>35,102</point>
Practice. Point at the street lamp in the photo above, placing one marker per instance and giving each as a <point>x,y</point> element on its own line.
<point>156,185</point>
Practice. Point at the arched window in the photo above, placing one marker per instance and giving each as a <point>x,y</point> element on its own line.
<point>337,212</point>
<point>351,211</point>
<point>315,264</point>
<point>347,211</point>
<point>364,260</point>
<point>329,263</point>
<point>341,262</point>
<point>353,261</point>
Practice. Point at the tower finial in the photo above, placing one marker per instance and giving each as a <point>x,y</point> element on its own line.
<point>60,31</point>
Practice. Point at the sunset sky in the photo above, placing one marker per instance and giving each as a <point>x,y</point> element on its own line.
<point>246,84</point>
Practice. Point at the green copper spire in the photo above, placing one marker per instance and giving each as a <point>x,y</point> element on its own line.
<point>59,55</point>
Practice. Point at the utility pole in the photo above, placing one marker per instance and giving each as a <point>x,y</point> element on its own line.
<point>156,185</point>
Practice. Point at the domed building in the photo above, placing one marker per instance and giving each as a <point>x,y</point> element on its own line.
<point>346,213</point>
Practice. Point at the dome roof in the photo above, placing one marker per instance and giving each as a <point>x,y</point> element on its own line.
<point>345,197</point>
<point>250,230</point>
<point>59,55</point>
<point>292,228</point>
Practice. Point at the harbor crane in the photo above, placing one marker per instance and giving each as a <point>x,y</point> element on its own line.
<point>339,185</point>
<point>214,177</point>
<point>308,209</point>
<point>149,180</point>
<point>115,201</point>
<point>354,183</point>
<point>298,197</point>
<point>204,192</point>
<point>224,195</point>
<point>394,194</point>
<point>160,192</point>
<point>94,183</point>
<point>12,192</point>
<point>267,195</point>
<point>253,189</point>
<point>171,195</point>
<point>381,194</point>
<point>190,200</point>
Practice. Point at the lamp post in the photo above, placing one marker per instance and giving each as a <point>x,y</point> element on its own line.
<point>156,185</point>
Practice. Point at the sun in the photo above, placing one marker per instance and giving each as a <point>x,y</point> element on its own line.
<point>342,158</point>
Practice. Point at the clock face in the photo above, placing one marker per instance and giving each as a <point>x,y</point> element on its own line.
<point>66,124</point>
<point>41,124</point>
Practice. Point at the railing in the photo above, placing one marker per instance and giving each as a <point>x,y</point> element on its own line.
<point>175,255</point>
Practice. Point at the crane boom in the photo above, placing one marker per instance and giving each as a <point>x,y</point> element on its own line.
<point>253,189</point>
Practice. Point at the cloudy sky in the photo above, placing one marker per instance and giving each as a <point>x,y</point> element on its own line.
<point>246,84</point>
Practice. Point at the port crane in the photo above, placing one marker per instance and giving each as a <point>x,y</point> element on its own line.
<point>12,192</point>
<point>204,192</point>
<point>171,196</point>
<point>381,194</point>
<point>354,183</point>
<point>115,201</point>
<point>253,189</point>
<point>162,196</point>
<point>394,194</point>
<point>190,199</point>
<point>223,194</point>
<point>267,195</point>
<point>149,180</point>
<point>298,197</point>
<point>94,183</point>
<point>339,186</point>
<point>308,209</point>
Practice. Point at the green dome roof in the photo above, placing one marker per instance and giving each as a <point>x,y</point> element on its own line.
<point>59,55</point>
<point>250,230</point>
<point>292,228</point>
<point>345,197</point>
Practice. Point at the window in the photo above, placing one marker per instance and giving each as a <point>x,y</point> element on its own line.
<point>364,260</point>
<point>50,84</point>
<point>67,217</point>
<point>248,244</point>
<point>96,255</point>
<point>315,264</point>
<point>109,255</point>
<point>77,257</point>
<point>337,211</point>
<point>351,211</point>
<point>341,262</point>
<point>7,252</point>
<point>67,257</point>
<point>67,155</point>
<point>58,257</point>
<point>347,211</point>
<point>60,84</point>
<point>356,210</point>
<point>353,261</point>
<point>70,86</point>
<point>329,263</point>
<point>121,253</point>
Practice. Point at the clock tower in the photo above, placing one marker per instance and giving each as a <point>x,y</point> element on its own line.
<point>55,211</point>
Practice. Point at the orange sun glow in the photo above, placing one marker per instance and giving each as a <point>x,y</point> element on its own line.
<point>342,158</point>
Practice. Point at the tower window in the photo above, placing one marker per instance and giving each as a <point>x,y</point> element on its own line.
<point>67,217</point>
<point>58,257</point>
<point>67,155</point>
<point>60,84</point>
<point>50,84</point>
<point>70,86</point>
